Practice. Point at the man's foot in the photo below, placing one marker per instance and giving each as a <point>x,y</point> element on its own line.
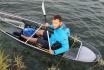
<point>17,33</point>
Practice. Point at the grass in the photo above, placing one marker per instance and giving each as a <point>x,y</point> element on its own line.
<point>3,60</point>
<point>75,40</point>
<point>18,63</point>
<point>5,65</point>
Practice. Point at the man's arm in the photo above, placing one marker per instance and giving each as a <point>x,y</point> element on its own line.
<point>64,47</point>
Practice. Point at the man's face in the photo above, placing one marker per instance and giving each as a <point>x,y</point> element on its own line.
<point>56,23</point>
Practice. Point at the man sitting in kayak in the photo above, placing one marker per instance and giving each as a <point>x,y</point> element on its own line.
<point>59,35</point>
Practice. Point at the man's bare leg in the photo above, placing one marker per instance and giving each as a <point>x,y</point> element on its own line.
<point>32,40</point>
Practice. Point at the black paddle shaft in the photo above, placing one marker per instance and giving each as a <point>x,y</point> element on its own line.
<point>45,18</point>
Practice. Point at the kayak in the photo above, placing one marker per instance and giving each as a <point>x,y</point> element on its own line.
<point>10,23</point>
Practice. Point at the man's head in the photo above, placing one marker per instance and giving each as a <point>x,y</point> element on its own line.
<point>57,21</point>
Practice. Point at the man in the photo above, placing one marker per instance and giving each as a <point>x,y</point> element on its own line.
<point>60,35</point>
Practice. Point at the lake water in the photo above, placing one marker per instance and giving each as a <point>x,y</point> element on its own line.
<point>85,18</point>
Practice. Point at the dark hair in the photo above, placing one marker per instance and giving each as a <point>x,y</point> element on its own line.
<point>57,17</point>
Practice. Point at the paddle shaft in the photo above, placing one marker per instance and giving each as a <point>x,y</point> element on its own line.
<point>45,18</point>
<point>43,9</point>
<point>48,40</point>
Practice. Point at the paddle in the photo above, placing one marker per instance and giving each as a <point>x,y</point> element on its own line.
<point>43,9</point>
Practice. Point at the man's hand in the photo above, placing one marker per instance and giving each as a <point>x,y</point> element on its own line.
<point>46,25</point>
<point>51,52</point>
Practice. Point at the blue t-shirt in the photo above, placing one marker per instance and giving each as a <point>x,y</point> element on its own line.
<point>28,31</point>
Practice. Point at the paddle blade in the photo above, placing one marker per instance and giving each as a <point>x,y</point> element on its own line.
<point>43,8</point>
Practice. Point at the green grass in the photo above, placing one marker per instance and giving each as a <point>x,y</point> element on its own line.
<point>3,60</point>
<point>19,64</point>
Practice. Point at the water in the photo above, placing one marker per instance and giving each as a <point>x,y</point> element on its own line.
<point>85,18</point>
